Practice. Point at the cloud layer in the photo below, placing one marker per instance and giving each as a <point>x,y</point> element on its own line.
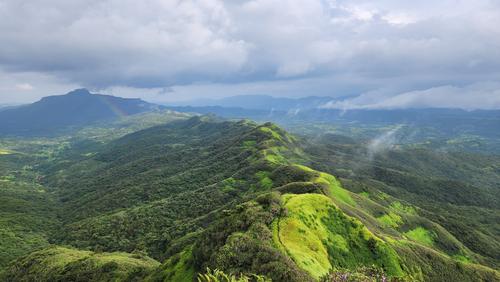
<point>471,97</point>
<point>351,47</point>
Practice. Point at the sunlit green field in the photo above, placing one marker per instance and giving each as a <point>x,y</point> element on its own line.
<point>5,152</point>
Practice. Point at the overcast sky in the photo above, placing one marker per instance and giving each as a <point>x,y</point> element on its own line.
<point>391,53</point>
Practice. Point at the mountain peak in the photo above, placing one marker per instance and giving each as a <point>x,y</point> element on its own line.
<point>80,91</point>
<point>79,107</point>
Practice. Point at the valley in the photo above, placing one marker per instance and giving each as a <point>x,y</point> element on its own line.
<point>164,196</point>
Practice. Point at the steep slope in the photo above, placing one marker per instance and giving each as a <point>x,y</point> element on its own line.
<point>77,108</point>
<point>457,190</point>
<point>164,181</point>
<point>315,233</point>
<point>235,196</point>
<point>322,227</point>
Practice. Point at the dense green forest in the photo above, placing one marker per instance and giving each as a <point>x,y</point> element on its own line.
<point>164,196</point>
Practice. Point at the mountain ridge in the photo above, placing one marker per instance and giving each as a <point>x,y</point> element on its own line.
<point>259,102</point>
<point>54,114</point>
<point>240,197</point>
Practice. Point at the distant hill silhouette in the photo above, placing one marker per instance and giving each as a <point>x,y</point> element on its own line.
<point>447,121</point>
<point>76,108</point>
<point>261,102</point>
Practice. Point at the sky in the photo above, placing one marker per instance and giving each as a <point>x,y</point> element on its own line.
<point>383,54</point>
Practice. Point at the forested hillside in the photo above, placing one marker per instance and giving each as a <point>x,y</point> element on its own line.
<point>168,202</point>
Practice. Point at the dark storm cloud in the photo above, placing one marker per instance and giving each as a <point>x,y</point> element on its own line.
<point>384,47</point>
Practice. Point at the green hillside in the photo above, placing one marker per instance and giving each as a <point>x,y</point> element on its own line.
<point>28,212</point>
<point>318,236</point>
<point>458,191</point>
<point>27,217</point>
<point>63,264</point>
<point>168,202</point>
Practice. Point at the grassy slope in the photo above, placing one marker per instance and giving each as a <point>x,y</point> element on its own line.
<point>63,264</point>
<point>319,236</point>
<point>5,152</point>
<point>301,233</point>
<point>421,235</point>
<point>177,268</point>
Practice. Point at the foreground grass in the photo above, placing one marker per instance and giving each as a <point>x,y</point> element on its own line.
<point>318,236</point>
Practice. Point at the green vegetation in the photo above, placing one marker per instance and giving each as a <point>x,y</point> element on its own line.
<point>391,220</point>
<point>397,206</point>
<point>318,236</point>
<point>178,267</point>
<point>5,152</point>
<point>63,264</point>
<point>247,227</point>
<point>301,233</point>
<point>27,218</point>
<point>421,235</point>
<point>456,191</point>
<point>365,194</point>
<point>219,276</point>
<point>248,201</point>
<point>250,144</point>
<point>336,191</point>
<point>272,131</point>
<point>264,180</point>
<point>426,264</point>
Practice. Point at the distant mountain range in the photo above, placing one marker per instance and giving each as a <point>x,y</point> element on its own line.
<point>286,111</point>
<point>79,107</point>
<point>76,108</point>
<point>261,102</point>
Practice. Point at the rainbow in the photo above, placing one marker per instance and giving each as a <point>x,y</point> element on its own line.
<point>114,108</point>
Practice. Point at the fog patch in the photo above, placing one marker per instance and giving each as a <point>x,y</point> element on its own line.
<point>293,112</point>
<point>383,142</point>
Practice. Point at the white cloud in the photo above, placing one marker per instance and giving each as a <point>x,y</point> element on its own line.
<point>16,87</point>
<point>359,45</point>
<point>471,97</point>
<point>101,43</point>
<point>293,68</point>
<point>383,142</point>
<point>24,86</point>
